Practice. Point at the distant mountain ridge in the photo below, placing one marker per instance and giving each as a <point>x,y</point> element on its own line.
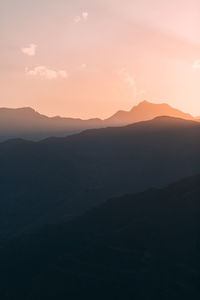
<point>29,124</point>
<point>59,178</point>
<point>146,111</point>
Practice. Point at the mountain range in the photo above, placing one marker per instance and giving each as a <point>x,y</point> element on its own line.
<point>93,214</point>
<point>137,246</point>
<point>56,179</point>
<point>26,123</point>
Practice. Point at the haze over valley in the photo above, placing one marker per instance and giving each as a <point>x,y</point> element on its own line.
<point>100,150</point>
<point>28,124</point>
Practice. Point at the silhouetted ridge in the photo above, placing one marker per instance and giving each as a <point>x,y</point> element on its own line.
<point>146,111</point>
<point>137,246</point>
<point>29,124</point>
<point>169,121</point>
<point>58,178</point>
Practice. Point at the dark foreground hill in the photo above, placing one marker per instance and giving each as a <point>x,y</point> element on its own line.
<point>57,179</point>
<point>141,246</point>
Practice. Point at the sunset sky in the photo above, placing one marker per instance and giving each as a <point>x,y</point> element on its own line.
<point>91,58</point>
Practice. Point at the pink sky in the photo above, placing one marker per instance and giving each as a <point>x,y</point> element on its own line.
<point>91,58</point>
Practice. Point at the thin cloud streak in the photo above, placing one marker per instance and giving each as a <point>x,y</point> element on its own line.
<point>43,72</point>
<point>30,50</point>
<point>81,18</point>
<point>196,64</point>
<point>85,15</point>
<point>77,19</point>
<point>131,82</point>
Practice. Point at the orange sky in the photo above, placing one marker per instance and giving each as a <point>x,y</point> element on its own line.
<point>91,58</point>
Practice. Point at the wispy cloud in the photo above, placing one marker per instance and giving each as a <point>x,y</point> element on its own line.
<point>129,79</point>
<point>83,66</point>
<point>83,17</point>
<point>77,19</point>
<point>46,73</point>
<point>30,50</point>
<point>196,64</point>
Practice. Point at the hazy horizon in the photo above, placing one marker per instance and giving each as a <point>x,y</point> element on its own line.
<point>99,149</point>
<point>92,58</point>
<point>112,114</point>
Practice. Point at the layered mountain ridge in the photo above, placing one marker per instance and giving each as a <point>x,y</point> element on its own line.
<point>137,246</point>
<point>29,124</point>
<point>145,111</point>
<point>59,178</point>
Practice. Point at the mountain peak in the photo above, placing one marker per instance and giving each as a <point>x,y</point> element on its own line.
<point>26,108</point>
<point>146,103</point>
<point>23,110</point>
<point>146,110</point>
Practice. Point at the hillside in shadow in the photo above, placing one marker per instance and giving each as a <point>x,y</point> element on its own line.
<point>137,246</point>
<point>56,179</point>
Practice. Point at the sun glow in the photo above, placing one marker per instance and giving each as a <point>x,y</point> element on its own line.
<point>99,58</point>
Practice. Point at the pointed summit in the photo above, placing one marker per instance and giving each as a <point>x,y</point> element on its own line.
<point>146,110</point>
<point>27,123</point>
<point>144,102</point>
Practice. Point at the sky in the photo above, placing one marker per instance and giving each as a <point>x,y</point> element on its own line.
<point>91,58</point>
